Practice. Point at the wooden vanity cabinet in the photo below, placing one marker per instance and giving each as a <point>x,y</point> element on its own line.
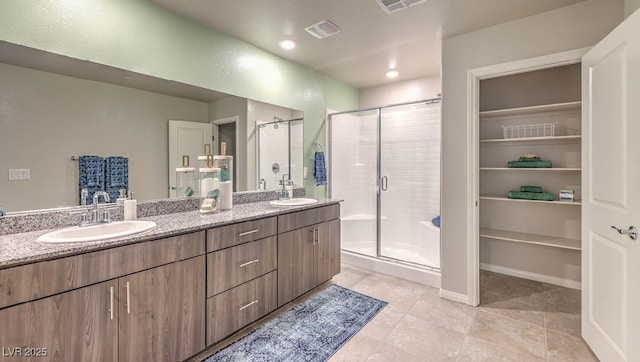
<point>308,250</point>
<point>161,312</point>
<point>72,326</point>
<point>155,313</point>
<point>241,275</point>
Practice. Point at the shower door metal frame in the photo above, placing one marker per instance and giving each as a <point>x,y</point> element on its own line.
<point>379,177</point>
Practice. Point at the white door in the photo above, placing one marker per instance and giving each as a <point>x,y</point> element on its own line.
<point>611,194</point>
<point>186,138</point>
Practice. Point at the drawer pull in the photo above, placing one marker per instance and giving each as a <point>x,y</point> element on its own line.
<point>248,232</point>
<point>249,263</point>
<point>248,305</point>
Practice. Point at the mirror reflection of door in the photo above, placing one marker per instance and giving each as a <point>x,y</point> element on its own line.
<point>185,139</point>
<point>226,130</point>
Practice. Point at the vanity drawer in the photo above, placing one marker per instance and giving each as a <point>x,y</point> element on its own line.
<point>235,308</point>
<point>300,219</point>
<point>32,281</point>
<point>230,235</point>
<point>230,267</point>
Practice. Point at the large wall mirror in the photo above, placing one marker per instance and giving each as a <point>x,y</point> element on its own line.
<point>54,109</point>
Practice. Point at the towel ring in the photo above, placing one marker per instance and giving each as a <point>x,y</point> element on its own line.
<point>317,146</point>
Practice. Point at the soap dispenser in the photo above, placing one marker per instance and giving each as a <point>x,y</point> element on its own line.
<point>130,207</point>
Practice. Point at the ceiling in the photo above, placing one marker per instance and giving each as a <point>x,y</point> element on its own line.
<point>370,39</point>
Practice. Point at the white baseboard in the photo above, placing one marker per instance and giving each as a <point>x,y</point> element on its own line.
<point>568,283</point>
<point>453,296</point>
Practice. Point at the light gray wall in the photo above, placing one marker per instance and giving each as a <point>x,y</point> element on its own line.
<point>630,6</point>
<point>45,118</point>
<point>400,92</point>
<point>572,27</point>
<point>139,36</point>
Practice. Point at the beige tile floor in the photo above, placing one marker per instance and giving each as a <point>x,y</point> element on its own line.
<point>518,320</point>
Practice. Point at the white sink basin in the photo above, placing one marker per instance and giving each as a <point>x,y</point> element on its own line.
<point>294,202</point>
<point>97,232</point>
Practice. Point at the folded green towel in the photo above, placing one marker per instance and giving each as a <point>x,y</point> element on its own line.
<point>529,164</point>
<point>531,188</point>
<point>545,196</point>
<point>530,159</point>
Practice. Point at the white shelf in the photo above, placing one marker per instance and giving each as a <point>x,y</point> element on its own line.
<point>521,169</point>
<point>552,241</point>
<point>534,109</point>
<point>504,198</point>
<point>551,139</point>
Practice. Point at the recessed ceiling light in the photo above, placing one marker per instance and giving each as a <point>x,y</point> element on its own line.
<point>288,44</point>
<point>392,73</point>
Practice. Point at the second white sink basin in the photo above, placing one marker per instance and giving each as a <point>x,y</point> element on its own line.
<point>294,202</point>
<point>97,232</point>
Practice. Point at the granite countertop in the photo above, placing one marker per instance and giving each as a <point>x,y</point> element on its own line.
<point>23,248</point>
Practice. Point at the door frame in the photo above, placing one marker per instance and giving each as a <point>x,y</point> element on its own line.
<point>216,134</point>
<point>473,123</point>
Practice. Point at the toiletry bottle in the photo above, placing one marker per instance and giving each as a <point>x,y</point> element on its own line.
<point>121,198</point>
<point>130,207</point>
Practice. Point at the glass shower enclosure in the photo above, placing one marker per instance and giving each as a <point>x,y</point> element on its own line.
<point>279,152</point>
<point>385,164</point>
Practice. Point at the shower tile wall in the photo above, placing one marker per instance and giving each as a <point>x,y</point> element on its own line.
<point>411,162</point>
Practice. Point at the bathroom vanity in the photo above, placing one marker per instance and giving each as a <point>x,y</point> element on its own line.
<point>167,293</point>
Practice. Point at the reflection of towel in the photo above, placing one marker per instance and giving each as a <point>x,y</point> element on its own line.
<point>91,176</point>
<point>319,169</point>
<point>116,176</point>
<point>2,213</point>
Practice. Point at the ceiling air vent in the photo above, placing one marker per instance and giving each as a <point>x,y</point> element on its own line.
<point>322,29</point>
<point>391,6</point>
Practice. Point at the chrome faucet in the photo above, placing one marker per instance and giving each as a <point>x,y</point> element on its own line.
<point>97,218</point>
<point>284,193</point>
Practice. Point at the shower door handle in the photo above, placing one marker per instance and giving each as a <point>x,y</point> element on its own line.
<point>384,183</point>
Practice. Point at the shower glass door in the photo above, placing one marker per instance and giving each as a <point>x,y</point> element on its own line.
<point>410,183</point>
<point>353,178</point>
<point>385,164</point>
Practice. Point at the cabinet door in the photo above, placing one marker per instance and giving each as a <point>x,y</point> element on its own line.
<point>162,312</point>
<point>327,263</point>
<point>296,254</point>
<point>79,325</point>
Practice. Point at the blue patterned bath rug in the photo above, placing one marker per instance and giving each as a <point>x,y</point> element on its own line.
<point>311,331</point>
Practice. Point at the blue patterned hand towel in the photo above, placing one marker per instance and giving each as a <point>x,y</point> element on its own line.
<point>116,176</point>
<point>91,176</point>
<point>320,169</point>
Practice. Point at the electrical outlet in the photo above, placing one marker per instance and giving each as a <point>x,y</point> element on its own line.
<point>19,174</point>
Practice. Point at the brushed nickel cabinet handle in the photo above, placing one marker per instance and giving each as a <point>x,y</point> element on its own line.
<point>248,305</point>
<point>248,232</point>
<point>317,235</point>
<point>111,302</point>
<point>248,263</point>
<point>128,298</point>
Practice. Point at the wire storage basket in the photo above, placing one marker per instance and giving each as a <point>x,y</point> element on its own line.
<point>529,130</point>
